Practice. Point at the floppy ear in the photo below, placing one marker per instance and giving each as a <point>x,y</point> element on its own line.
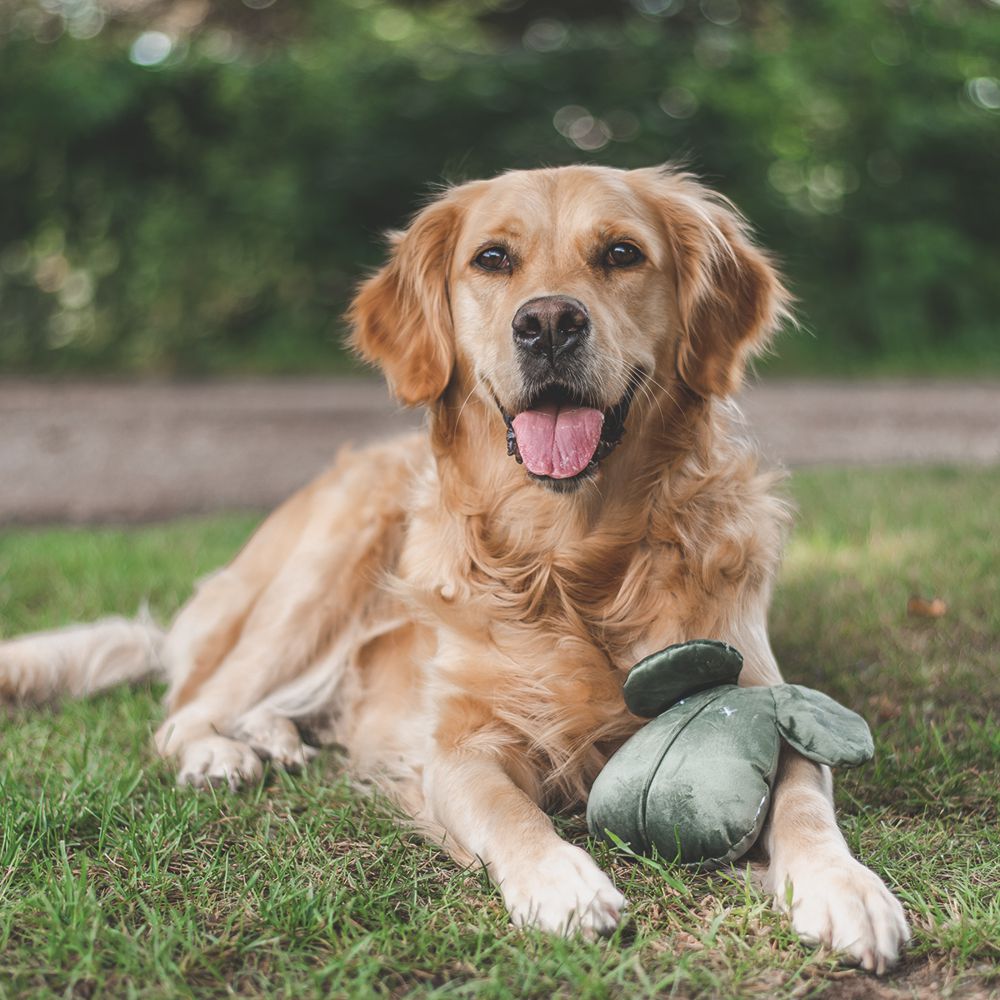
<point>730,296</point>
<point>401,318</point>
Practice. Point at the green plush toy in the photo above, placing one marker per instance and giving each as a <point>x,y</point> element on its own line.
<point>695,783</point>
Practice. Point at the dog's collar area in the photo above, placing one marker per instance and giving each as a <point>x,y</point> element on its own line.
<point>612,432</point>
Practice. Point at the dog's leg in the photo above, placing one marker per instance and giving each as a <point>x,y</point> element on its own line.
<point>210,758</point>
<point>322,575</point>
<point>274,737</point>
<point>203,635</point>
<point>545,882</point>
<point>831,897</point>
<point>217,735</point>
<point>209,625</point>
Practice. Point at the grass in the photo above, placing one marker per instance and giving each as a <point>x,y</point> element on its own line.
<point>115,883</point>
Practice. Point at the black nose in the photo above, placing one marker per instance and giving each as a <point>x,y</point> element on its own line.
<point>550,326</point>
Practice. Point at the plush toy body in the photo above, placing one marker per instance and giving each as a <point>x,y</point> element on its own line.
<point>695,783</point>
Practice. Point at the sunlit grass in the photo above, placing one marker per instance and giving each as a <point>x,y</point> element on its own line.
<point>113,882</point>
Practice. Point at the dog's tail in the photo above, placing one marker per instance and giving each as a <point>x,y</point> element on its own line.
<point>80,660</point>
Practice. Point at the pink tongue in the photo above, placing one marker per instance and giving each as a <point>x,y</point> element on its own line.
<point>558,441</point>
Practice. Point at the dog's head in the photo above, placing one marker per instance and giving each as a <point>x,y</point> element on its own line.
<point>565,299</point>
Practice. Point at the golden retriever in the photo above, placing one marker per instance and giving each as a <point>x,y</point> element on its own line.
<point>459,608</point>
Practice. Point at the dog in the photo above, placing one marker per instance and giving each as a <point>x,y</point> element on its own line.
<point>458,608</point>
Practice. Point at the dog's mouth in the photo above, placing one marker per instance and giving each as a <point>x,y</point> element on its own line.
<point>561,437</point>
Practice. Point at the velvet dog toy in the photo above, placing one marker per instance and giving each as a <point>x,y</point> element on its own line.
<point>695,783</point>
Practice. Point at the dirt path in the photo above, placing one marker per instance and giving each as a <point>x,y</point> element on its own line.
<point>89,452</point>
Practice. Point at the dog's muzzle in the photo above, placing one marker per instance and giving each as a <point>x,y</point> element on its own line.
<point>561,439</point>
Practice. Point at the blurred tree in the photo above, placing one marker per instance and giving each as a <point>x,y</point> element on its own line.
<point>195,186</point>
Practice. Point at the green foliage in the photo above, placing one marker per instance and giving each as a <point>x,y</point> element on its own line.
<point>209,205</point>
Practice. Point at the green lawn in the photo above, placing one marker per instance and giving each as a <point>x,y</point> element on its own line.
<point>115,883</point>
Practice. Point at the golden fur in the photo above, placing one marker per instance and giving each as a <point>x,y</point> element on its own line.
<point>463,630</point>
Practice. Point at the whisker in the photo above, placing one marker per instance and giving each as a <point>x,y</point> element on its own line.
<point>666,392</point>
<point>475,386</point>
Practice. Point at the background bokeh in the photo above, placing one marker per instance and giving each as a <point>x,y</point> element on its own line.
<point>189,186</point>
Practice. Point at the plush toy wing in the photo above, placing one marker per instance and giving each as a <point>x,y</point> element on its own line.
<point>663,678</point>
<point>821,729</point>
<point>695,782</point>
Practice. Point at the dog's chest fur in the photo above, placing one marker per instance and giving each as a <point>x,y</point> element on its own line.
<point>534,642</point>
<point>539,607</point>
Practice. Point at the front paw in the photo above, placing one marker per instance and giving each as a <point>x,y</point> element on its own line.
<point>841,904</point>
<point>275,738</point>
<point>563,893</point>
<point>217,761</point>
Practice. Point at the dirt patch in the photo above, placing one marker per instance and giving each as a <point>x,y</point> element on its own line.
<point>916,980</point>
<point>93,452</point>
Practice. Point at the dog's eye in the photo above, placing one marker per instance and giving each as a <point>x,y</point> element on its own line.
<point>493,259</point>
<point>623,255</point>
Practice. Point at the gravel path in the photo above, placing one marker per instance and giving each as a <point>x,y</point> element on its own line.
<point>92,452</point>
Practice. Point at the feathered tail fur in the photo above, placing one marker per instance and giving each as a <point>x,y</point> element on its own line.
<point>80,660</point>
